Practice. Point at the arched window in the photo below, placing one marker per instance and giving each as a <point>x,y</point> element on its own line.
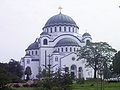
<point>70,49</point>
<point>28,61</point>
<point>36,52</point>
<point>87,42</point>
<point>65,29</point>
<point>51,30</point>
<point>56,58</point>
<point>80,69</point>
<point>73,29</point>
<point>69,29</point>
<point>32,52</point>
<point>66,49</point>
<point>66,69</point>
<point>60,29</point>
<point>73,67</point>
<point>45,42</point>
<point>58,49</point>
<point>55,29</point>
<point>74,49</point>
<point>62,49</point>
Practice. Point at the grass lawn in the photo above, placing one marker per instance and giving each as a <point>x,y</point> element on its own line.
<point>88,85</point>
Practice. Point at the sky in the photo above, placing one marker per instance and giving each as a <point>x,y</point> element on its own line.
<point>21,22</point>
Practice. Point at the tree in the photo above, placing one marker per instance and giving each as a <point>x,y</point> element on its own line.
<point>15,68</point>
<point>116,63</point>
<point>6,75</point>
<point>97,55</point>
<point>4,79</point>
<point>28,72</point>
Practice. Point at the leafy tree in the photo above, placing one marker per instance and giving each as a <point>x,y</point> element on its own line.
<point>116,63</point>
<point>15,68</point>
<point>4,79</point>
<point>28,72</point>
<point>97,55</point>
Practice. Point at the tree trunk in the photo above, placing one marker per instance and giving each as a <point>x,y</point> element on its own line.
<point>94,73</point>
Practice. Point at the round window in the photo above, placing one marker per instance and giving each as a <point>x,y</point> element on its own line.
<point>73,58</point>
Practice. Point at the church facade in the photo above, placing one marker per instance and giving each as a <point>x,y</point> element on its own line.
<point>58,45</point>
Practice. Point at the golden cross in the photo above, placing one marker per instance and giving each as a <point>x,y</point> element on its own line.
<point>60,8</point>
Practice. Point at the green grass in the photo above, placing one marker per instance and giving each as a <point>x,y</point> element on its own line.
<point>88,85</point>
<point>93,85</point>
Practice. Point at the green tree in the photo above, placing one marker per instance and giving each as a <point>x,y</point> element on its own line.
<point>10,75</point>
<point>4,79</point>
<point>15,68</point>
<point>28,72</point>
<point>97,55</point>
<point>116,63</point>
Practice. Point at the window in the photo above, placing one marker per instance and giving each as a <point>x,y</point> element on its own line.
<point>32,52</point>
<point>69,29</point>
<point>47,29</point>
<point>36,52</point>
<point>56,58</point>
<point>62,49</point>
<point>73,29</point>
<point>74,49</point>
<point>45,42</point>
<point>60,29</point>
<point>88,42</point>
<point>28,61</point>
<point>51,30</point>
<point>55,29</point>
<point>73,67</point>
<point>65,29</point>
<point>29,52</point>
<point>66,69</point>
<point>66,49</point>
<point>70,49</point>
<point>73,58</point>
<point>80,69</point>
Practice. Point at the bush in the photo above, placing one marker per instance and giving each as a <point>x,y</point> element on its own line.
<point>80,81</point>
<point>26,85</point>
<point>57,88</point>
<point>16,85</point>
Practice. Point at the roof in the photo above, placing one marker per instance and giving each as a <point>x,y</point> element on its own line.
<point>27,54</point>
<point>44,33</point>
<point>66,42</point>
<point>33,46</point>
<point>60,19</point>
<point>86,34</point>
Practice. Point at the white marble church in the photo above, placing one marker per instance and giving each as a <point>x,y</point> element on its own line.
<point>58,44</point>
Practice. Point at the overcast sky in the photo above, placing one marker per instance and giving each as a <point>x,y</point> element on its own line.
<point>21,22</point>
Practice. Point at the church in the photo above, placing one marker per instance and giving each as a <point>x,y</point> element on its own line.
<point>57,46</point>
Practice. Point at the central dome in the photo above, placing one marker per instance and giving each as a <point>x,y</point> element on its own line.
<point>60,19</point>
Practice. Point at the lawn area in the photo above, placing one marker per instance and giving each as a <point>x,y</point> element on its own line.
<point>88,85</point>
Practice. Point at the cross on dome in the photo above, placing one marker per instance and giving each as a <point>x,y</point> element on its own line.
<point>60,8</point>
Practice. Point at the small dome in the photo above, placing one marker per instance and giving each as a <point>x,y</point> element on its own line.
<point>86,34</point>
<point>60,19</point>
<point>33,46</point>
<point>66,42</point>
